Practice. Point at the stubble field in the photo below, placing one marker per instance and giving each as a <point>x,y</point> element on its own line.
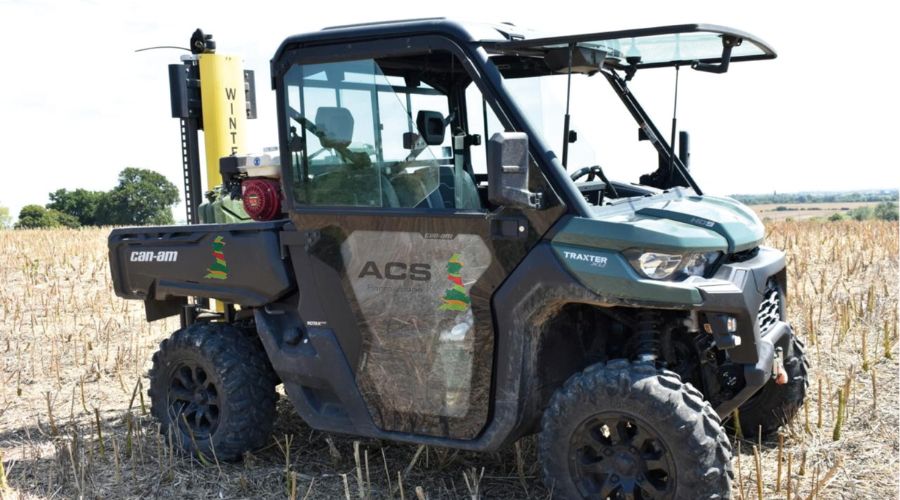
<point>74,420</point>
<point>804,211</point>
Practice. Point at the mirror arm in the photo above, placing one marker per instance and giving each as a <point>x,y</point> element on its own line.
<point>728,42</point>
<point>525,198</point>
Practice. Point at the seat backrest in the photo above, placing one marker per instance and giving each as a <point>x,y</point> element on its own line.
<point>335,127</point>
<point>468,195</point>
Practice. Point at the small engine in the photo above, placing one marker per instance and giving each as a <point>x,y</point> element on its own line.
<point>256,179</point>
<point>262,198</point>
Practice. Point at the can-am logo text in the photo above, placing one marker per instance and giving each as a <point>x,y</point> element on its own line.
<point>160,256</point>
<point>594,260</point>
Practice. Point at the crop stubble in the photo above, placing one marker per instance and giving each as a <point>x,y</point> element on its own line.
<point>74,421</point>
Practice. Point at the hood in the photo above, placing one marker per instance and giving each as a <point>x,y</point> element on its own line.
<point>673,221</point>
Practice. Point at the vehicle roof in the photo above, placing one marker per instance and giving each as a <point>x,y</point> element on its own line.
<point>464,32</point>
<point>508,38</point>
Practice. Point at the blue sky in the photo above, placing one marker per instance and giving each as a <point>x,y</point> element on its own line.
<point>78,104</point>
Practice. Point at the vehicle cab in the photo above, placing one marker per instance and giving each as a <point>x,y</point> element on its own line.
<point>413,147</point>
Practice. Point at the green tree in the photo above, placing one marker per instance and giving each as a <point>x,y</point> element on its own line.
<point>887,210</point>
<point>5,219</point>
<point>861,213</point>
<point>36,216</point>
<point>80,203</point>
<point>64,220</point>
<point>142,197</point>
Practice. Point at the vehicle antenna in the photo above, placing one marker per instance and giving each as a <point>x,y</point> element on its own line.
<point>565,149</point>
<point>674,128</point>
<point>163,47</point>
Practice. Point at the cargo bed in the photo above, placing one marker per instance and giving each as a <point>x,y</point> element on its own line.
<point>236,263</point>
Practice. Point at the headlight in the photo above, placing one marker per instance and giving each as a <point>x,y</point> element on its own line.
<point>661,266</point>
<point>698,263</point>
<point>658,266</point>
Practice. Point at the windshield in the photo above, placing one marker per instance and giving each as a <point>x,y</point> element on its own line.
<point>608,151</point>
<point>573,91</point>
<point>604,132</point>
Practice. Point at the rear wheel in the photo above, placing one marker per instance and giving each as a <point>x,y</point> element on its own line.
<point>623,430</point>
<point>212,387</point>
<point>775,405</point>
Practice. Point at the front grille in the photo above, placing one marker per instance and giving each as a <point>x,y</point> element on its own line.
<point>769,309</point>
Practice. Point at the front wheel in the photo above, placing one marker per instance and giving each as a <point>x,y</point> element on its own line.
<point>627,430</point>
<point>212,387</point>
<point>776,405</point>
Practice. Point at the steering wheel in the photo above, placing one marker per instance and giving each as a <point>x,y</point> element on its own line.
<point>590,172</point>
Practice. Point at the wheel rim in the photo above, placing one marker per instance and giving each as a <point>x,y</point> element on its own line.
<point>618,456</point>
<point>194,401</point>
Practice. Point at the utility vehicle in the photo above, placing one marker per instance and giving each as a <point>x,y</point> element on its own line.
<point>426,260</point>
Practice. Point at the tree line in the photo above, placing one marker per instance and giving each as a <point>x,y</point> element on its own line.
<point>886,210</point>
<point>845,197</point>
<point>142,197</point>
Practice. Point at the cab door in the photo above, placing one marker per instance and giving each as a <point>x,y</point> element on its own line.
<point>408,252</point>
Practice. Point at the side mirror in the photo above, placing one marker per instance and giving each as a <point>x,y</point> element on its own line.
<point>410,139</point>
<point>507,163</point>
<point>431,127</point>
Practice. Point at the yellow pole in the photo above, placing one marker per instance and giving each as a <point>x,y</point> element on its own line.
<point>224,110</point>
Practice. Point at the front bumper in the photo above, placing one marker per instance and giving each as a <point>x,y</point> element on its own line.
<point>738,289</point>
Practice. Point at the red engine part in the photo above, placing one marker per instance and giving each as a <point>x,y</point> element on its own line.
<point>262,198</point>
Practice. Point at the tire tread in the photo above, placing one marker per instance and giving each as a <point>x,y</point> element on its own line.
<point>656,396</point>
<point>247,387</point>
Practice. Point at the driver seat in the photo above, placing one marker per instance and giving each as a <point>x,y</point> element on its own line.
<point>351,183</point>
